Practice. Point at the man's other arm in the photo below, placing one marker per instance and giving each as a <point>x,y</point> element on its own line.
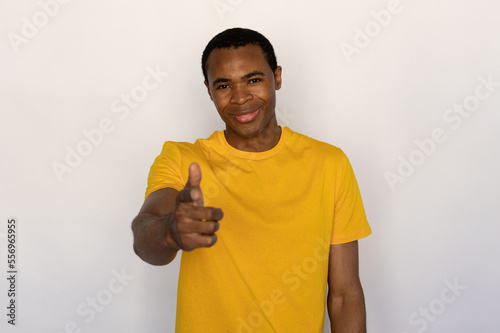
<point>346,302</point>
<point>171,220</point>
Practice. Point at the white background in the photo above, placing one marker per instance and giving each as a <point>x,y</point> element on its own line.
<point>438,227</point>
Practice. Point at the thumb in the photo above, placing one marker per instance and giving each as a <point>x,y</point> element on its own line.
<point>194,179</point>
<point>192,191</point>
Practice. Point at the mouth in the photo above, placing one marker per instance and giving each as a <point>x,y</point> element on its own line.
<point>246,116</point>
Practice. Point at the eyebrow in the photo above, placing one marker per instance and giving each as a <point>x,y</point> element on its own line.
<point>244,77</point>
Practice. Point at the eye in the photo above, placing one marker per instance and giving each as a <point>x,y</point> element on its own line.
<point>222,86</point>
<point>254,80</point>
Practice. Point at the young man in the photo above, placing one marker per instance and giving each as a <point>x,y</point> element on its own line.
<point>290,207</point>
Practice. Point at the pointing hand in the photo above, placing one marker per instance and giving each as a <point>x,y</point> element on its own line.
<point>191,224</point>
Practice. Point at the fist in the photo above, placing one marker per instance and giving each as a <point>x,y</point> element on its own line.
<point>191,224</point>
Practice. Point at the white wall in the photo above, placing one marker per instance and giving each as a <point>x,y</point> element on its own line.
<point>435,226</point>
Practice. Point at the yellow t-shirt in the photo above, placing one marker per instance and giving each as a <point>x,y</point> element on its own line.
<point>282,210</point>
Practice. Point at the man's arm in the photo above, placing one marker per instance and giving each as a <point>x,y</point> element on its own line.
<point>171,220</point>
<point>346,302</point>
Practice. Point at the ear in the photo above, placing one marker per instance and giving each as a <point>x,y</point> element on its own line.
<point>277,77</point>
<point>208,89</point>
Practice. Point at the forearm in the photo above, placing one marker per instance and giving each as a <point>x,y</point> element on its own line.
<point>347,312</point>
<point>149,239</point>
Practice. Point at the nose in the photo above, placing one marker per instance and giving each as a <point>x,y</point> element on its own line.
<point>240,94</point>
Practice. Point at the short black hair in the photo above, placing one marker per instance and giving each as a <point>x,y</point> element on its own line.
<point>234,38</point>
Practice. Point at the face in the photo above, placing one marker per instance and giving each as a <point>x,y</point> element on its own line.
<point>243,88</point>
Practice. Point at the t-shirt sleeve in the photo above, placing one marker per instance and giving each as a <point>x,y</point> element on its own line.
<point>165,171</point>
<point>349,222</point>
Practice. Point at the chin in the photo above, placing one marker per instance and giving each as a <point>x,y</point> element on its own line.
<point>248,131</point>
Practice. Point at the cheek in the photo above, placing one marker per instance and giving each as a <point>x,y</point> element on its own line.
<point>220,104</point>
<point>216,100</point>
<point>270,99</point>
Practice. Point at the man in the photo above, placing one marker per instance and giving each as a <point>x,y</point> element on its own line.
<point>292,210</point>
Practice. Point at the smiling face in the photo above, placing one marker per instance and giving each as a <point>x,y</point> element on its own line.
<point>243,88</point>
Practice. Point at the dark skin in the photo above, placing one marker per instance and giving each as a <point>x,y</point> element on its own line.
<point>345,300</point>
<point>243,88</point>
<point>171,220</point>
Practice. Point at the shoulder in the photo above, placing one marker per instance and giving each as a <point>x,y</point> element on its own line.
<point>303,144</point>
<point>175,148</point>
<point>179,148</point>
